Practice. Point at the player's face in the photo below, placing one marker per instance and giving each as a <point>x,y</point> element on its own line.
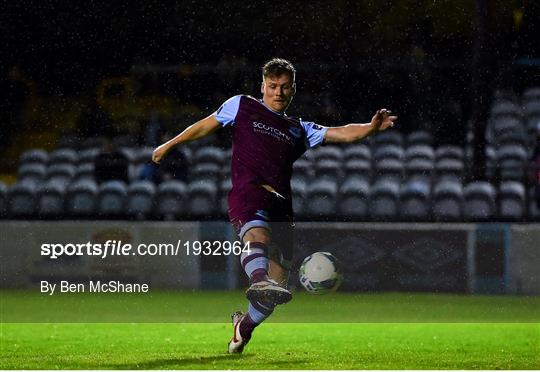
<point>278,91</point>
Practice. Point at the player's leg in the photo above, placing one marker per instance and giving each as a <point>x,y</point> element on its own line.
<point>278,273</point>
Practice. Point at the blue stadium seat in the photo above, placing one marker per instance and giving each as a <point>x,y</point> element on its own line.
<point>389,137</point>
<point>111,199</point>
<point>512,163</point>
<point>202,199</point>
<point>170,200</point>
<point>329,169</point>
<point>358,168</point>
<point>511,198</point>
<point>321,199</point>
<point>63,156</point>
<point>419,138</point>
<point>32,172</point>
<point>384,200</point>
<point>299,195</point>
<point>84,171</point>
<point>50,200</point>
<point>447,201</point>
<point>81,199</point>
<point>387,152</point>
<point>422,152</point>
<point>419,169</point>
<point>389,169</point>
<point>140,197</point>
<point>209,154</point>
<point>34,156</point>
<point>21,200</point>
<point>357,151</point>
<point>354,199</point>
<point>88,155</point>
<point>206,171</point>
<point>141,157</point>
<point>322,153</point>
<point>60,172</point>
<point>449,152</point>
<point>531,94</point>
<point>303,169</point>
<point>479,201</point>
<point>415,201</point>
<point>504,109</point>
<point>449,169</point>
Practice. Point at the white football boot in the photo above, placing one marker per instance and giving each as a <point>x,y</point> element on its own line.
<point>268,291</point>
<point>237,343</point>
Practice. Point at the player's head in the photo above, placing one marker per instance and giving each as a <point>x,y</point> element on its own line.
<point>278,86</point>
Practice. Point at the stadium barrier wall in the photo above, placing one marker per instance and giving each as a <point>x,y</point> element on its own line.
<point>465,258</point>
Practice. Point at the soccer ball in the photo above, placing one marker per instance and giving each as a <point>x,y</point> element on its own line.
<point>321,273</point>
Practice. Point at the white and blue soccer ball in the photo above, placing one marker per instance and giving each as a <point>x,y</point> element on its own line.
<point>321,273</point>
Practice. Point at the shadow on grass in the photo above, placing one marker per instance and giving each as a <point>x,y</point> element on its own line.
<point>200,363</point>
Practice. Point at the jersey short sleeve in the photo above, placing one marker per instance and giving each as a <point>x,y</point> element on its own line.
<point>226,114</point>
<point>314,133</point>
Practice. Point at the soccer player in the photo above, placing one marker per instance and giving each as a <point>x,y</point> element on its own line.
<point>266,142</point>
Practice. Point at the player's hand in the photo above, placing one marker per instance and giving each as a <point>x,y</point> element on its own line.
<point>382,120</point>
<point>159,153</point>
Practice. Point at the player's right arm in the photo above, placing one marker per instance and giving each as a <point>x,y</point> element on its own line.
<point>198,130</point>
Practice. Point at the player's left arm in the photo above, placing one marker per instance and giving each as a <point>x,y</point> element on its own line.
<point>381,121</point>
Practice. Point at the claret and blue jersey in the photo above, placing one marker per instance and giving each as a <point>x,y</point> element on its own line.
<point>265,143</point>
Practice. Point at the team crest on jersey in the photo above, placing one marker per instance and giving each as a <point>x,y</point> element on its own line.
<point>296,132</point>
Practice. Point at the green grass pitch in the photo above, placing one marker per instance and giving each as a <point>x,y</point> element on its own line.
<point>190,330</point>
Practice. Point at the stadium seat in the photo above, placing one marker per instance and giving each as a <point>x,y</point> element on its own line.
<point>202,199</point>
<point>88,155</point>
<point>140,196</point>
<point>81,199</point>
<point>209,154</point>
<point>419,169</point>
<point>141,157</point>
<point>388,152</point>
<point>34,156</point>
<point>63,156</point>
<point>500,127</point>
<point>354,199</point>
<point>389,169</point>
<point>384,200</point>
<point>390,137</point>
<point>111,199</point>
<point>415,201</point>
<point>322,153</point>
<point>206,171</point>
<point>303,169</point>
<point>329,169</point>
<point>21,200</point>
<point>511,162</point>
<point>170,200</point>
<point>530,95</point>
<point>419,138</point>
<point>423,152</point>
<point>449,169</point>
<point>32,172</point>
<point>358,168</point>
<point>512,204</point>
<point>479,201</point>
<point>505,109</point>
<point>60,172</point>
<point>84,171</point>
<point>3,197</point>
<point>518,138</point>
<point>449,152</point>
<point>357,151</point>
<point>50,200</point>
<point>321,199</point>
<point>531,108</point>
<point>447,201</point>
<point>299,195</point>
